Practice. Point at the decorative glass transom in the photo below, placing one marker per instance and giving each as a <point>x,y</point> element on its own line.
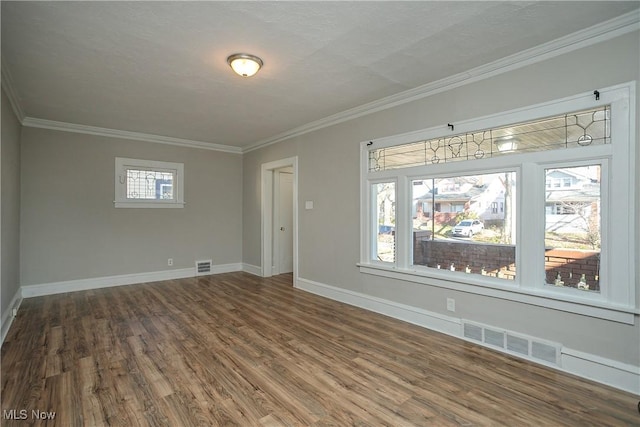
<point>577,129</point>
<point>149,184</point>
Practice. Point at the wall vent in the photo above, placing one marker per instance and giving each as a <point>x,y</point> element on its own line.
<point>494,337</point>
<point>203,268</point>
<point>545,352</point>
<point>517,344</point>
<point>472,331</point>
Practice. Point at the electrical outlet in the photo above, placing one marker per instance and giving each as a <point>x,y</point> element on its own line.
<point>451,304</point>
<point>14,312</point>
<point>170,262</point>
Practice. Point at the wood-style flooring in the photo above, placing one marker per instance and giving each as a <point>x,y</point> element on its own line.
<point>236,349</point>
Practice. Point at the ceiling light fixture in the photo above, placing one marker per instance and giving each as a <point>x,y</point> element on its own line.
<point>507,144</point>
<point>244,64</point>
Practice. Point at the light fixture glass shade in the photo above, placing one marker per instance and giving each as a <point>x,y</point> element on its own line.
<point>244,65</point>
<point>507,144</point>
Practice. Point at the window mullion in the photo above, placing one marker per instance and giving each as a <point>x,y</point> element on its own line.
<point>620,222</point>
<point>530,238</point>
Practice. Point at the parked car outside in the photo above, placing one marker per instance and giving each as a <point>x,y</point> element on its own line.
<point>468,228</point>
<point>386,229</point>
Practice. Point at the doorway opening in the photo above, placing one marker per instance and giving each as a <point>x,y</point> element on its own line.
<point>280,217</point>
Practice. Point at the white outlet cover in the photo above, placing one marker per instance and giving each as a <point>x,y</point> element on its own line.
<point>451,304</point>
<point>308,204</point>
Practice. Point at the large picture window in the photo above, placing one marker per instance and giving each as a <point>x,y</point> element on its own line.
<point>457,225</point>
<point>512,205</point>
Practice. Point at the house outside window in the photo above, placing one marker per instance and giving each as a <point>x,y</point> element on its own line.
<point>539,237</point>
<point>573,234</point>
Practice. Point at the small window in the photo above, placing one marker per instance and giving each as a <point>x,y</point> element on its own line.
<point>385,243</point>
<point>573,232</point>
<point>148,184</point>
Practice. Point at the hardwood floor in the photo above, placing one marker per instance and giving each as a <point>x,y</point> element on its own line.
<point>236,349</point>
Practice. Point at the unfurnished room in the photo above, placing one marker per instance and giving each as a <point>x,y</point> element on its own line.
<point>320,213</point>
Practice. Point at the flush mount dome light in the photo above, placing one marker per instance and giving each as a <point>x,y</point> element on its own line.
<point>244,64</point>
<point>507,143</point>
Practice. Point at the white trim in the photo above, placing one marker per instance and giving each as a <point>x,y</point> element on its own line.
<point>53,288</point>
<point>7,316</point>
<point>131,204</point>
<point>621,314</point>
<point>596,34</point>
<point>590,366</point>
<point>124,134</point>
<point>606,371</point>
<point>252,269</point>
<point>9,89</point>
<point>427,319</point>
<point>266,209</point>
<point>120,280</point>
<point>226,268</point>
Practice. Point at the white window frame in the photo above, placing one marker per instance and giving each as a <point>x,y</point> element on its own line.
<point>122,164</point>
<point>617,297</point>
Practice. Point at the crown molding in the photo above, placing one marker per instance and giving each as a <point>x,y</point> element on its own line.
<point>137,136</point>
<point>8,86</point>
<point>589,36</point>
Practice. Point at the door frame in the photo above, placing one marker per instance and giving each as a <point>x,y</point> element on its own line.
<point>267,214</point>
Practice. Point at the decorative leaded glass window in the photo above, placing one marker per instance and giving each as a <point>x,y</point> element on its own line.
<point>148,184</point>
<point>577,129</point>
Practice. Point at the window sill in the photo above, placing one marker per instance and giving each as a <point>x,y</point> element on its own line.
<point>145,205</point>
<point>584,306</point>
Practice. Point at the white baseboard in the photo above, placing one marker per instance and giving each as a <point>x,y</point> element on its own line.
<point>104,282</point>
<point>226,268</point>
<point>434,321</point>
<point>606,371</point>
<point>124,279</point>
<point>7,316</point>
<point>252,269</point>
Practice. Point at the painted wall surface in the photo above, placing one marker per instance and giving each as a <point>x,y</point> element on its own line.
<point>329,237</point>
<point>10,205</point>
<point>71,230</point>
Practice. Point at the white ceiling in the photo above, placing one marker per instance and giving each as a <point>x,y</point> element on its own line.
<point>160,67</point>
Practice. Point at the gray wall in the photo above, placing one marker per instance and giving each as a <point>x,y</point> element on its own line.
<point>70,228</point>
<point>329,175</point>
<point>10,205</point>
